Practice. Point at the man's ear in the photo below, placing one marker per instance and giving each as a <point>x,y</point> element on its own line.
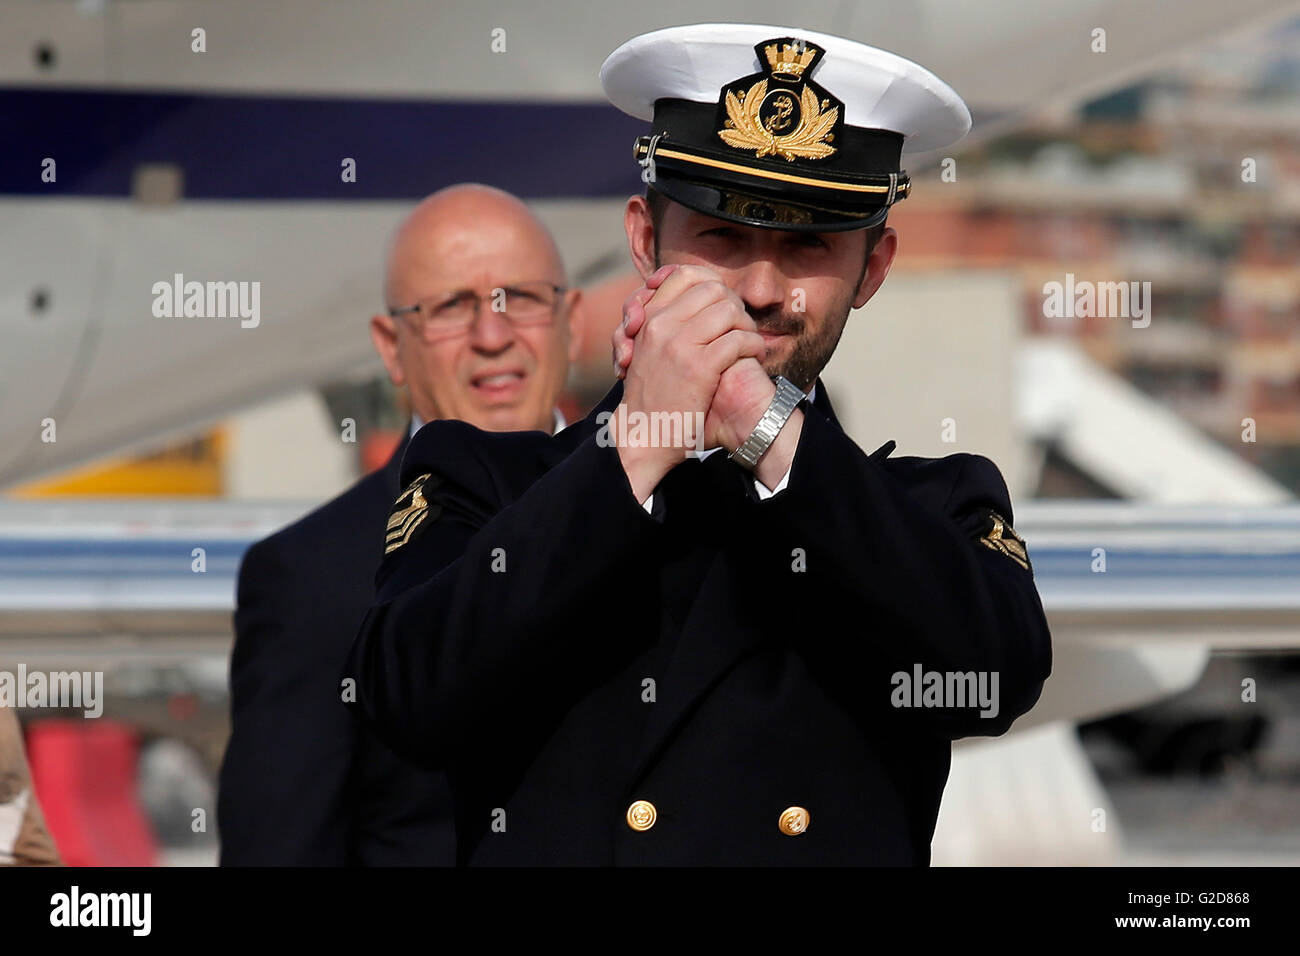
<point>881,258</point>
<point>640,230</point>
<point>383,332</point>
<point>573,306</point>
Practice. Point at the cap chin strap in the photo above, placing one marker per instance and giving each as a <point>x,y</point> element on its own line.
<point>894,186</point>
<point>647,161</point>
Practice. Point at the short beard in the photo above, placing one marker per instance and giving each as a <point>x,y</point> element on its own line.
<point>811,353</point>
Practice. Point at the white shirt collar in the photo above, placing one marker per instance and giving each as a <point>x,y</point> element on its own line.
<point>560,423</point>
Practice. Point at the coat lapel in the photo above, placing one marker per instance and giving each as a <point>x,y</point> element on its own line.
<point>713,517</point>
<point>710,642</point>
<point>715,634</point>
<point>822,402</point>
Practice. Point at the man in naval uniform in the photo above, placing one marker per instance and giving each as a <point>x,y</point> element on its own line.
<point>625,651</point>
<point>302,783</point>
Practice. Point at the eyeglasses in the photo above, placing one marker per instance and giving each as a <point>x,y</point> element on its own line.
<point>451,313</point>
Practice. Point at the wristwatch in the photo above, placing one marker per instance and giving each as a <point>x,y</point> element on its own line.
<point>787,399</point>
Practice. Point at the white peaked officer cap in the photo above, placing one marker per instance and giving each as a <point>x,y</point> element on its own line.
<point>777,126</point>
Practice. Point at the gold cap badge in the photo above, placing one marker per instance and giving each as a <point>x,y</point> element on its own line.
<point>778,112</point>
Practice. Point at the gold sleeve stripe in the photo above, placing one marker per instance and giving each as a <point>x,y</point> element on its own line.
<point>406,517</point>
<point>1003,538</point>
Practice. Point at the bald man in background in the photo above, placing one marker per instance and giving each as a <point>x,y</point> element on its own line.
<point>479,326</point>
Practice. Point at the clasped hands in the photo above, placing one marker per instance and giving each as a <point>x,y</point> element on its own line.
<point>686,346</point>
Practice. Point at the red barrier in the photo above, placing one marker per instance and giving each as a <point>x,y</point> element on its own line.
<point>84,774</point>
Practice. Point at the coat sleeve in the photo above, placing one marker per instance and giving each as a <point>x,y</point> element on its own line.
<point>920,583</point>
<point>283,792</point>
<point>498,603</point>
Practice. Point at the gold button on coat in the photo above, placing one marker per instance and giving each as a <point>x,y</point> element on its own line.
<point>641,815</point>
<point>794,820</point>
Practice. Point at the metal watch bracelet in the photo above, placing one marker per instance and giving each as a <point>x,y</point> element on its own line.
<point>784,402</point>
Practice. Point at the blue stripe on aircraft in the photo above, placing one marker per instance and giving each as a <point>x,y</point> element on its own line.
<point>292,148</point>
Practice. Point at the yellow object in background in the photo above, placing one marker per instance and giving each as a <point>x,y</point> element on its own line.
<point>185,468</point>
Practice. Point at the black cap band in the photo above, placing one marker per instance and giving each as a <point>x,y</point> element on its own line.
<point>692,165</point>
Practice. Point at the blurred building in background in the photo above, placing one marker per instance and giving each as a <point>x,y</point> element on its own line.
<point>1190,182</point>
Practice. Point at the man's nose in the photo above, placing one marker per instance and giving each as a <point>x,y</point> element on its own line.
<point>760,285</point>
<point>490,330</point>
